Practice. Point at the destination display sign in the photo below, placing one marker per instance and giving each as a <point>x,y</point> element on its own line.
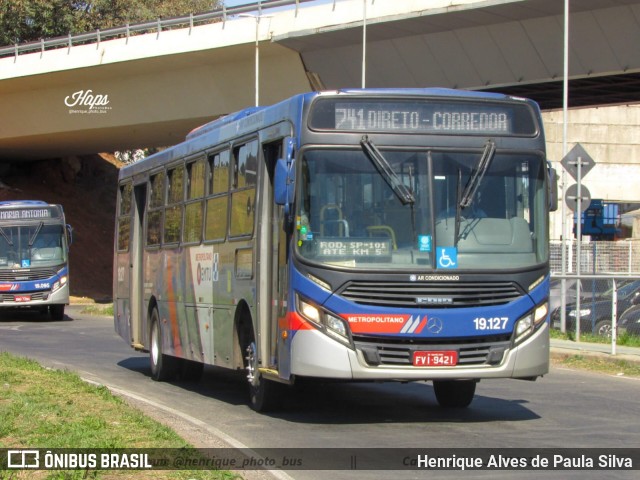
<point>39,213</point>
<point>352,248</point>
<point>423,116</point>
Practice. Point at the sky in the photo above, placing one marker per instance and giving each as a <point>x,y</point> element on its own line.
<point>235,3</point>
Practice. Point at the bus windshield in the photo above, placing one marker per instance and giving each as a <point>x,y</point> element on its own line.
<point>31,246</point>
<point>350,214</point>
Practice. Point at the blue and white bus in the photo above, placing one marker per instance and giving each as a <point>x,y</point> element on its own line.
<point>34,263</point>
<point>362,235</point>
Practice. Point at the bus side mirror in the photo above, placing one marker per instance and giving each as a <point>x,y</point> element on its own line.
<point>284,181</point>
<point>69,234</point>
<point>553,189</point>
<point>280,183</point>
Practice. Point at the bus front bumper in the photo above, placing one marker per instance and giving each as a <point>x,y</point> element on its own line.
<point>314,354</point>
<point>36,299</point>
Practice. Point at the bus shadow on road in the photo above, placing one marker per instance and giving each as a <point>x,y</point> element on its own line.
<point>331,402</point>
<point>217,383</point>
<point>29,314</point>
<point>353,403</point>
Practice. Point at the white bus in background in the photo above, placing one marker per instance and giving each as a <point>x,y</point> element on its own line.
<point>34,256</point>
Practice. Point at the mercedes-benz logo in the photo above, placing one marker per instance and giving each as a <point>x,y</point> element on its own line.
<point>434,325</point>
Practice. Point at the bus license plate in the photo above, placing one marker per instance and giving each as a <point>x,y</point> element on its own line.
<point>441,358</point>
<point>22,298</point>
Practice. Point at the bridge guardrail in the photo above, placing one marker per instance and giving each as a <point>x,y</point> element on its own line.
<point>217,15</point>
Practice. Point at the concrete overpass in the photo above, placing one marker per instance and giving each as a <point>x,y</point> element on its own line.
<point>150,89</point>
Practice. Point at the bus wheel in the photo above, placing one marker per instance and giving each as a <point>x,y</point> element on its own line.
<point>56,312</point>
<point>264,395</point>
<point>454,393</point>
<point>163,367</point>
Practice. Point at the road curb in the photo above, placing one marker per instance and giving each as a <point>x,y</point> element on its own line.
<point>560,353</point>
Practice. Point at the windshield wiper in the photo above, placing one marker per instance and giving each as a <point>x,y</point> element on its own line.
<point>402,192</point>
<point>465,198</point>
<point>456,230</point>
<point>35,234</point>
<point>478,174</point>
<point>9,241</point>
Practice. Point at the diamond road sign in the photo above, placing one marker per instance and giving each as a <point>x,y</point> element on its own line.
<point>570,162</point>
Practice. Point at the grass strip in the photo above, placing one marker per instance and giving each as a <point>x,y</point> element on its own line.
<point>624,339</point>
<point>53,409</point>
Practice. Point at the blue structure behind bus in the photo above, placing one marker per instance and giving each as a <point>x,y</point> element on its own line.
<point>601,220</point>
<point>34,245</point>
<point>358,235</point>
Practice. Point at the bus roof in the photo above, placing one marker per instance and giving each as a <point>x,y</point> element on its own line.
<point>22,203</point>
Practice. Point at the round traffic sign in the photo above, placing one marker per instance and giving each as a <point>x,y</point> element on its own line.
<point>571,198</point>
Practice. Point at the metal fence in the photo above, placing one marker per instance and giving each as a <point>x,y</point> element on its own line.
<point>605,297</point>
<point>620,257</point>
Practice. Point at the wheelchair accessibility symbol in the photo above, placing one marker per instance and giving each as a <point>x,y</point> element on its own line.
<point>447,257</point>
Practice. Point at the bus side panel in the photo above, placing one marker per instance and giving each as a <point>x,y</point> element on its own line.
<point>122,312</point>
<point>234,290</point>
<point>200,262</point>
<point>152,289</point>
<point>193,291</point>
<point>180,331</point>
<point>223,306</point>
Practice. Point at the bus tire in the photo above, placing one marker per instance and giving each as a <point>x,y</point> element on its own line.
<point>56,312</point>
<point>163,367</point>
<point>454,393</point>
<point>264,395</point>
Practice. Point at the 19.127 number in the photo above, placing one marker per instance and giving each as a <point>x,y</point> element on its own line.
<point>494,323</point>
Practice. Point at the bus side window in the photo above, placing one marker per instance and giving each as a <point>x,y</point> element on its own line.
<point>193,209</point>
<point>195,179</point>
<point>217,196</point>
<point>156,192</point>
<point>154,213</point>
<point>173,212</point>
<point>243,193</point>
<point>124,217</point>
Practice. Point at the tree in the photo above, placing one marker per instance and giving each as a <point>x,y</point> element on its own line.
<point>29,20</point>
<point>25,20</point>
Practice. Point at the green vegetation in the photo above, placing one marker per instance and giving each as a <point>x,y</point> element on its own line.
<point>601,364</point>
<point>28,20</point>
<point>98,309</point>
<point>624,339</point>
<point>42,408</point>
<point>598,363</point>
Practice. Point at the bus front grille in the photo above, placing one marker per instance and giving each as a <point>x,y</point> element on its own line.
<point>27,274</point>
<point>399,352</point>
<point>429,295</point>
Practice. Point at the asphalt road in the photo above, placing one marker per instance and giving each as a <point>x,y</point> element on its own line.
<point>564,409</point>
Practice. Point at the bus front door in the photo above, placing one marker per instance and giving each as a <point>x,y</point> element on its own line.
<point>138,339</point>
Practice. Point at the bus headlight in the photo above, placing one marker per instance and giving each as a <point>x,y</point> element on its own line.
<point>530,322</point>
<point>324,321</point>
<point>309,311</point>
<point>60,283</point>
<point>336,325</point>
